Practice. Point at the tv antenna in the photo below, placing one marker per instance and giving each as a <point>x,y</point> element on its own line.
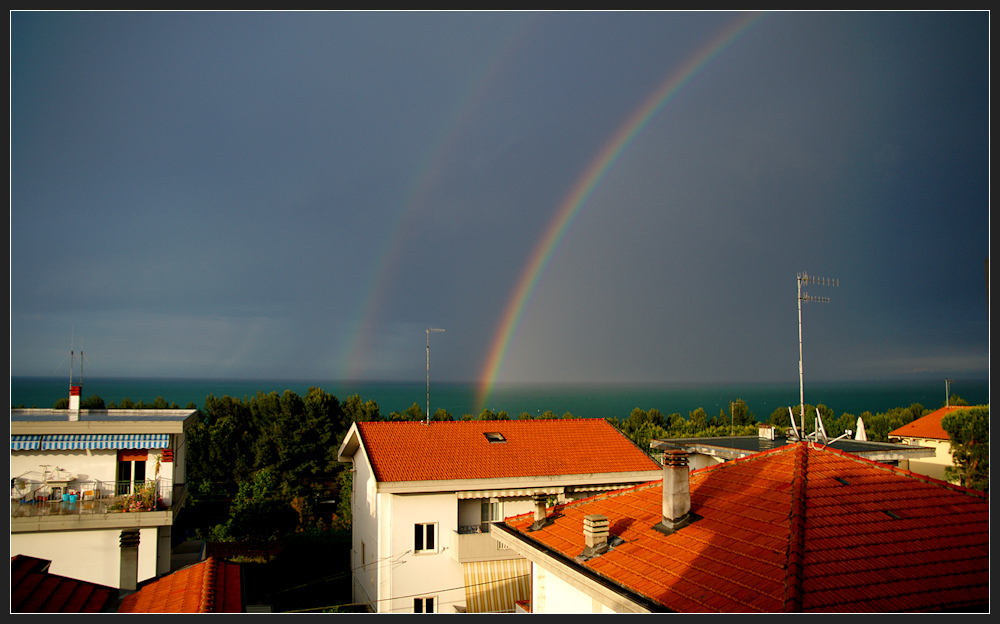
<point>427,416</point>
<point>72,360</point>
<point>947,392</point>
<point>804,278</point>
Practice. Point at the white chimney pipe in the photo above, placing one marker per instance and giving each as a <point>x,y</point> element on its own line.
<point>676,492</point>
<point>540,518</point>
<point>74,403</point>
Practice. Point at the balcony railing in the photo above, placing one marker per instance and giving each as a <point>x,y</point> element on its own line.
<point>38,498</point>
<point>472,543</point>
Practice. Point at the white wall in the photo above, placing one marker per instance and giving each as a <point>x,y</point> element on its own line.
<point>84,465</point>
<point>435,574</point>
<point>93,556</point>
<point>931,466</point>
<point>364,532</point>
<point>550,594</point>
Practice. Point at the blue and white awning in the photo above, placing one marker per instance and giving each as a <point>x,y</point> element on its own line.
<point>25,442</point>
<point>94,441</point>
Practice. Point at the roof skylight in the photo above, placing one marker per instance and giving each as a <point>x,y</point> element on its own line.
<point>494,436</point>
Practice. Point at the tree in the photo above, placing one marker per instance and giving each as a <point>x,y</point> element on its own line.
<point>94,402</point>
<point>357,411</point>
<point>441,415</point>
<point>698,419</point>
<point>740,414</point>
<point>259,512</point>
<point>969,436</point>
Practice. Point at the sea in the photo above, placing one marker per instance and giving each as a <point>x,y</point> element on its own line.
<point>580,400</point>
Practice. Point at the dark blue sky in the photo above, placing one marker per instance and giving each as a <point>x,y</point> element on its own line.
<point>302,195</point>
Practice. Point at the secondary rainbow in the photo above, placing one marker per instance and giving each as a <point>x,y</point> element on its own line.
<point>352,364</point>
<point>582,189</point>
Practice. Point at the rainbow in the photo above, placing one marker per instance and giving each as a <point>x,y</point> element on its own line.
<point>582,189</point>
<point>352,365</point>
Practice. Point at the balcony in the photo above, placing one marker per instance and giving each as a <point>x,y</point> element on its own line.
<point>39,506</point>
<point>473,543</point>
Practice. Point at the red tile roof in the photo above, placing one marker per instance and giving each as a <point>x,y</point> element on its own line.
<point>34,590</point>
<point>801,528</point>
<point>928,426</point>
<point>415,451</point>
<point>212,586</point>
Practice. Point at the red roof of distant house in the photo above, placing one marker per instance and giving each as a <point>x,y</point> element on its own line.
<point>928,426</point>
<point>802,528</point>
<point>34,590</point>
<point>212,586</point>
<point>417,451</point>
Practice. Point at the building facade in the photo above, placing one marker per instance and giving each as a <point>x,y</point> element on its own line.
<point>426,494</point>
<point>927,432</point>
<point>96,492</point>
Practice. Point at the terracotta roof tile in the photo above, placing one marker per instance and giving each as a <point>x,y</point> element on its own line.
<point>212,586</point>
<point>883,541</point>
<point>928,426</point>
<point>34,590</point>
<point>415,451</point>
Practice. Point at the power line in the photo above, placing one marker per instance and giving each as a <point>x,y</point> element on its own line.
<point>420,595</point>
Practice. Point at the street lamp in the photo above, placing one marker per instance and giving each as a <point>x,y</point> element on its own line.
<point>427,417</point>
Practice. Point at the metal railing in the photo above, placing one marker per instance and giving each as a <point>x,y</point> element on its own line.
<point>33,498</point>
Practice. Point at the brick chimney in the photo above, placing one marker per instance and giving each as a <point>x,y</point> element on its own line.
<point>676,492</point>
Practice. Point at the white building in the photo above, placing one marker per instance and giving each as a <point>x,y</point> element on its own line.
<point>97,491</point>
<point>928,432</point>
<point>424,495</point>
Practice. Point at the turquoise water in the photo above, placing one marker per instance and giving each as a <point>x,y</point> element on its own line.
<point>583,401</point>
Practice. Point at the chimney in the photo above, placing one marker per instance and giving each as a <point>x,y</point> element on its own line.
<point>676,492</point>
<point>128,577</point>
<point>74,403</point>
<point>541,520</point>
<point>595,535</point>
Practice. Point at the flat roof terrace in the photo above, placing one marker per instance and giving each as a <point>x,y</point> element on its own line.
<point>735,447</point>
<point>48,421</point>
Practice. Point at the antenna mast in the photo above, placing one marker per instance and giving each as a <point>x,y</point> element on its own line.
<point>804,278</point>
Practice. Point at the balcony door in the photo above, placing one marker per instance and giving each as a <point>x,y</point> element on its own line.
<point>131,470</point>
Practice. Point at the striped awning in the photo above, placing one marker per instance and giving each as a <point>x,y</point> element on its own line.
<point>494,586</point>
<point>25,442</point>
<point>83,441</point>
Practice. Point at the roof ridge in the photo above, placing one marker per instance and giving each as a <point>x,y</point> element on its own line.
<point>208,586</point>
<point>796,531</point>
<point>916,476</point>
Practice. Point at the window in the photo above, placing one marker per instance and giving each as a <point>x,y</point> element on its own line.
<point>494,437</point>
<point>423,537</point>
<point>490,511</point>
<point>423,605</point>
<point>131,469</point>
